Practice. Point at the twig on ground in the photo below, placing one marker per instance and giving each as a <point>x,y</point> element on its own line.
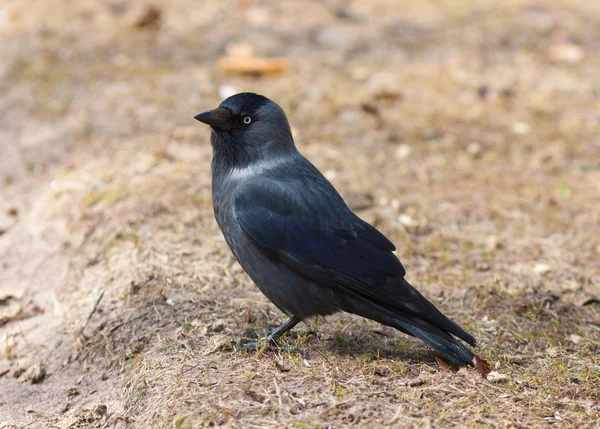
<point>94,308</point>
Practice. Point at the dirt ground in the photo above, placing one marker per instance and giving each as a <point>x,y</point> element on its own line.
<point>467,131</point>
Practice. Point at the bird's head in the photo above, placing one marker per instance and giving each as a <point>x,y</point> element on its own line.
<point>248,126</point>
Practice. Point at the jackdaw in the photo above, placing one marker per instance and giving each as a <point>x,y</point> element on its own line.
<point>297,239</point>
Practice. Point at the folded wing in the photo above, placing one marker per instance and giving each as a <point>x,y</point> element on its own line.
<point>332,246</point>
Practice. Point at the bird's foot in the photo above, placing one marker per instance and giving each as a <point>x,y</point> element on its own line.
<point>260,341</point>
<point>251,345</point>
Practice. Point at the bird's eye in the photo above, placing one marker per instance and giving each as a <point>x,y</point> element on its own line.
<point>247,120</point>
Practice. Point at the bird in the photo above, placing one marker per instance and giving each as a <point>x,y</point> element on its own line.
<point>297,239</point>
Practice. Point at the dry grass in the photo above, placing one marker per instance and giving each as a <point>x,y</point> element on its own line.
<point>448,126</point>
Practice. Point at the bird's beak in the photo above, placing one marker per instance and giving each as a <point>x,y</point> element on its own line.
<point>217,118</point>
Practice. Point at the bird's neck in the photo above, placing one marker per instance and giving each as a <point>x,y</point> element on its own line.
<point>230,155</point>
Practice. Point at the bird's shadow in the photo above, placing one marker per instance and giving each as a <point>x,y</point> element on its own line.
<point>368,345</point>
<point>363,346</point>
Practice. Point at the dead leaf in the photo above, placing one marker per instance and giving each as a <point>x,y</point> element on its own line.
<point>481,366</point>
<point>253,65</point>
<point>444,366</point>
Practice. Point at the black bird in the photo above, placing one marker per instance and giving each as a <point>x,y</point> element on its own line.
<point>297,239</point>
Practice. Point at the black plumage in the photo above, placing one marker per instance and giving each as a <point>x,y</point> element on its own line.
<point>298,240</point>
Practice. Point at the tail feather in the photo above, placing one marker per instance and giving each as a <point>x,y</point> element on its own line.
<point>439,338</point>
<point>428,312</point>
<point>441,342</point>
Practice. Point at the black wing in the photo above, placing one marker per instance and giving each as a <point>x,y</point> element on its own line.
<point>329,244</point>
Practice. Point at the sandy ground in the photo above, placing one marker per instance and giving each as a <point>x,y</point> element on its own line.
<point>467,131</point>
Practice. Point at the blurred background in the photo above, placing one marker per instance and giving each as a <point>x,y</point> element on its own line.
<point>467,131</point>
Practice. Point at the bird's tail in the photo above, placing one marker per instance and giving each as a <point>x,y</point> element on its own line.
<point>440,341</point>
<point>437,337</point>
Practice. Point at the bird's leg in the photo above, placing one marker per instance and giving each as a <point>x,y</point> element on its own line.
<point>275,334</point>
<point>273,337</point>
<point>286,326</point>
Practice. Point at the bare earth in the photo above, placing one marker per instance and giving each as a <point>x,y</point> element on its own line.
<point>467,131</point>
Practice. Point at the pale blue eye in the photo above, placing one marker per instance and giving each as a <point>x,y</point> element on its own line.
<point>247,120</point>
